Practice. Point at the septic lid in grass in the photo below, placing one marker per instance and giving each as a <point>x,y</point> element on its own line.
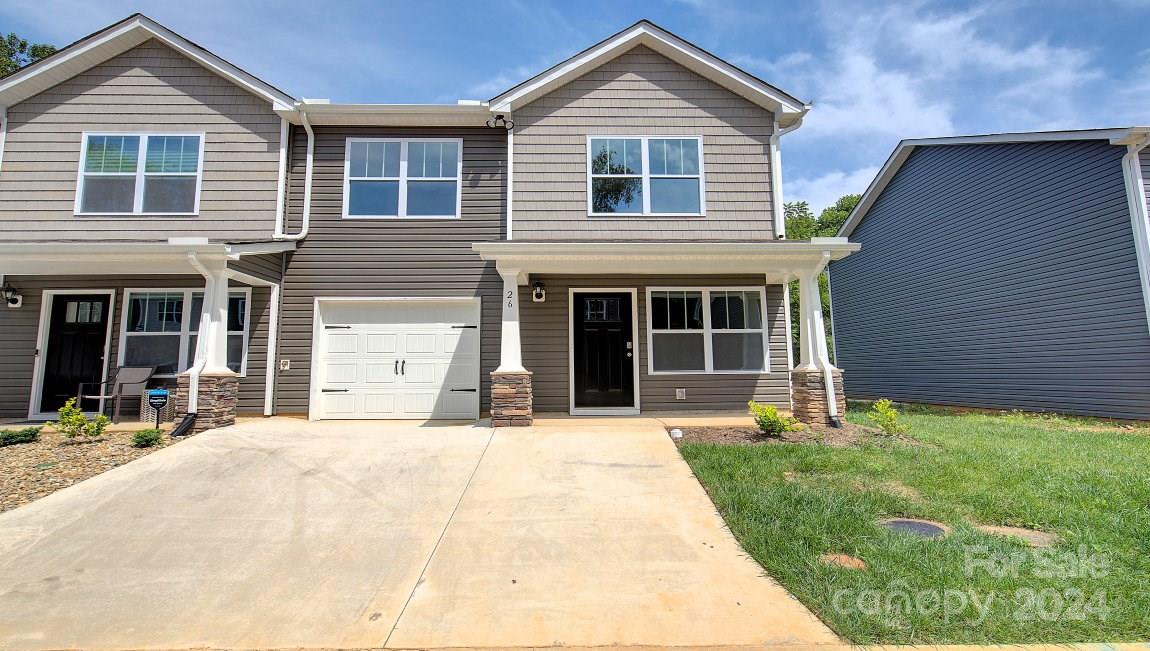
<point>920,528</point>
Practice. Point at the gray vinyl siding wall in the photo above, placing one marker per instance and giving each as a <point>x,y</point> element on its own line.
<point>150,88</point>
<point>545,338</point>
<point>18,329</point>
<point>641,93</point>
<point>999,276</point>
<point>384,258</point>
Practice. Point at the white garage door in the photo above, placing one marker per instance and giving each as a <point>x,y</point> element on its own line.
<point>398,359</point>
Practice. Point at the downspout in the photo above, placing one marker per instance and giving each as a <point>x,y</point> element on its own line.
<point>824,361</point>
<point>1139,221</point>
<point>281,183</point>
<point>777,177</point>
<point>3,132</point>
<point>306,220</point>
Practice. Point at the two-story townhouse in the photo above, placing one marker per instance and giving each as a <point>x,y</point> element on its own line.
<point>140,186</point>
<point>603,238</point>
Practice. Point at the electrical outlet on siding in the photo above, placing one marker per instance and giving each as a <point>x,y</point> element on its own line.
<point>680,394</point>
<point>285,364</point>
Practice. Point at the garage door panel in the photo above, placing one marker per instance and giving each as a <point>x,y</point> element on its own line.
<point>399,359</point>
<point>381,343</point>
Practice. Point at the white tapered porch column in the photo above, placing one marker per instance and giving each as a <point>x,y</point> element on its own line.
<point>816,385</point>
<point>511,392</point>
<point>813,353</point>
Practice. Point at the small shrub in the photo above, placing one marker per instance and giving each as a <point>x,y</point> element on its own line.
<point>14,436</point>
<point>885,416</point>
<point>770,421</point>
<point>146,438</point>
<point>73,422</point>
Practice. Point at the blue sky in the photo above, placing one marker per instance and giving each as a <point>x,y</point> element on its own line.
<point>876,72</point>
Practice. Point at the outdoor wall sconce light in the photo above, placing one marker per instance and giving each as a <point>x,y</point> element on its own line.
<point>538,293</point>
<point>500,122</point>
<point>12,298</point>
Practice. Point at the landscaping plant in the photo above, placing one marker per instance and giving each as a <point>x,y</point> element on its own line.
<point>14,436</point>
<point>146,438</point>
<point>883,414</point>
<point>770,421</point>
<point>73,422</point>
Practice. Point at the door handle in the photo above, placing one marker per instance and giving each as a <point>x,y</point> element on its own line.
<point>403,368</point>
<point>396,372</point>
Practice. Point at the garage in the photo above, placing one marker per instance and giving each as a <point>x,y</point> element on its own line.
<point>396,358</point>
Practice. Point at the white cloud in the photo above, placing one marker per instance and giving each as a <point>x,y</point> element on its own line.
<point>822,191</point>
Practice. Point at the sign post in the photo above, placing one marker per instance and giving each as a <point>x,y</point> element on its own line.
<point>157,400</point>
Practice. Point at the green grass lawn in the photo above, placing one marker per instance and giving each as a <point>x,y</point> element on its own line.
<point>1086,481</point>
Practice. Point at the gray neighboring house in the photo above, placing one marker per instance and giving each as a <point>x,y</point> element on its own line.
<point>1007,271</point>
<point>604,238</point>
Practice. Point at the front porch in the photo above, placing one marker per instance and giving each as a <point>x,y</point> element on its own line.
<point>192,311</point>
<point>623,328</point>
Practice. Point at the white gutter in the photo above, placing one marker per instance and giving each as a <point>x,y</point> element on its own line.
<point>510,178</point>
<point>3,132</point>
<point>306,221</point>
<point>281,182</point>
<point>777,177</point>
<point>1139,221</point>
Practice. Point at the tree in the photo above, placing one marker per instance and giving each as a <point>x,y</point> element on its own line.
<point>802,225</point>
<point>18,52</point>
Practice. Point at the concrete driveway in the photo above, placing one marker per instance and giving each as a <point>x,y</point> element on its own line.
<point>284,533</point>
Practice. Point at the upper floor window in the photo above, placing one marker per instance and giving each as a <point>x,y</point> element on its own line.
<point>392,177</point>
<point>645,176</point>
<point>141,174</point>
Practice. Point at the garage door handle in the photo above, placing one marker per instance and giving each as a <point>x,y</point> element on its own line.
<point>338,327</point>
<point>466,390</point>
<point>335,390</point>
<point>397,367</point>
<point>403,368</point>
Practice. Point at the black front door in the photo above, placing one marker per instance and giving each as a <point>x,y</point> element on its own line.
<point>77,334</point>
<point>604,350</point>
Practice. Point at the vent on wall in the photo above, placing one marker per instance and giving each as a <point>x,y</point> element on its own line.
<point>680,394</point>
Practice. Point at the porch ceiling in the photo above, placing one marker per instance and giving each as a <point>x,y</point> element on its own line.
<point>775,260</point>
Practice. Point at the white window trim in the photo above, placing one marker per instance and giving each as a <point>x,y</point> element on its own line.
<point>708,332</point>
<point>403,178</point>
<point>184,332</point>
<point>646,176</point>
<point>138,201</point>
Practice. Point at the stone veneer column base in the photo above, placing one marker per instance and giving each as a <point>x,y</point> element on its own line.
<point>511,399</point>
<point>809,396</point>
<point>217,401</point>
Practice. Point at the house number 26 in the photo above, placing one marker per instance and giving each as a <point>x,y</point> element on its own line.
<point>510,299</point>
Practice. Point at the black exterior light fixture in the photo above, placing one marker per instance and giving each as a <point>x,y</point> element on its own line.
<point>500,122</point>
<point>12,297</point>
<point>538,293</point>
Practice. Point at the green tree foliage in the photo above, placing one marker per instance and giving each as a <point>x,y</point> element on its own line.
<point>803,225</point>
<point>18,52</point>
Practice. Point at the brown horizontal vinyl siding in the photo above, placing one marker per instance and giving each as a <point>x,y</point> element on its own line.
<point>641,93</point>
<point>18,329</point>
<point>388,258</point>
<point>545,336</point>
<point>150,88</point>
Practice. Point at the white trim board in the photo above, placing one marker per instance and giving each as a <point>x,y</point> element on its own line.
<point>602,411</point>
<point>46,299</point>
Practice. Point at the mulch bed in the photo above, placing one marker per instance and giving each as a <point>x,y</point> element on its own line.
<point>29,471</point>
<point>849,434</point>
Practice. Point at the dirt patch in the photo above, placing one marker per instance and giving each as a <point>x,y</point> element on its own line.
<point>1032,537</point>
<point>843,560</point>
<point>849,434</point>
<point>29,471</point>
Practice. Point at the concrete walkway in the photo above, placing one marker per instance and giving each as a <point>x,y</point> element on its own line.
<point>284,533</point>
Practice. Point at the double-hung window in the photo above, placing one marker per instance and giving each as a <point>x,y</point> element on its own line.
<point>645,176</point>
<point>387,177</point>
<point>140,174</point>
<point>161,329</point>
<point>702,330</point>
